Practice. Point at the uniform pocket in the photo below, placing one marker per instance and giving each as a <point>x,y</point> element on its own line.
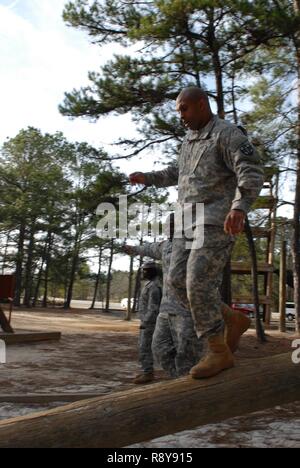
<point>200,153</point>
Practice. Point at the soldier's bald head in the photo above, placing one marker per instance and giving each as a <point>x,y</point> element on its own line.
<point>192,93</point>
<point>193,107</point>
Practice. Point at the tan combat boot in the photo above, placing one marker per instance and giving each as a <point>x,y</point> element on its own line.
<point>218,358</point>
<point>144,378</point>
<point>236,323</point>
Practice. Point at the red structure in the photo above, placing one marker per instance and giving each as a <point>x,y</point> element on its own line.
<point>7,290</point>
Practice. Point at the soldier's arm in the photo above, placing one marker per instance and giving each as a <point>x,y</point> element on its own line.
<point>154,301</point>
<point>164,178</point>
<point>143,300</point>
<point>152,250</point>
<point>243,159</point>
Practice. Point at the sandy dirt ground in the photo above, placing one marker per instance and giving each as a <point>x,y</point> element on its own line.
<point>98,354</point>
<point>275,428</point>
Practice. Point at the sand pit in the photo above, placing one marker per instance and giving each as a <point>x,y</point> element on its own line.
<point>97,354</point>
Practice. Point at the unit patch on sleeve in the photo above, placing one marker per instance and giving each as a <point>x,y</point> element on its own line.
<point>247,148</point>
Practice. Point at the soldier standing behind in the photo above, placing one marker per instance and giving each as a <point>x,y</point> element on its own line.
<point>175,345</point>
<point>149,304</point>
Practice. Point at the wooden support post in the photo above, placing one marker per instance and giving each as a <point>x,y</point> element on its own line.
<point>226,284</point>
<point>29,337</point>
<point>129,305</point>
<point>282,288</point>
<point>4,323</point>
<point>260,333</point>
<point>140,414</point>
<point>273,216</point>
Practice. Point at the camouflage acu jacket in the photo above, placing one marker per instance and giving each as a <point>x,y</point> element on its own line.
<point>149,302</point>
<point>162,251</point>
<point>217,166</point>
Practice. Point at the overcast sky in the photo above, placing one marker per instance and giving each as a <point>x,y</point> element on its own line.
<point>41,59</point>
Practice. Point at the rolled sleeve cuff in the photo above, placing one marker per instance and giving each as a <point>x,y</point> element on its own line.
<point>243,205</point>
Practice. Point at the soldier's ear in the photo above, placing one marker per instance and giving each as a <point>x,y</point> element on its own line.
<point>201,103</point>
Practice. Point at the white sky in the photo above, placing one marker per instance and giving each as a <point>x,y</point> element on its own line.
<point>41,59</point>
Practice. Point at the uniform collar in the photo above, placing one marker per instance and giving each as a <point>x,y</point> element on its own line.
<point>203,133</point>
<point>156,279</point>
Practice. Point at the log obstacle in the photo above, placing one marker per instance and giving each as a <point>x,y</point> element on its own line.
<point>136,415</point>
<point>45,398</point>
<point>29,337</point>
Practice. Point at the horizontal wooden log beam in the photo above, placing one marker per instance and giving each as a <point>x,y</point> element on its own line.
<point>249,300</point>
<point>123,418</point>
<point>44,398</point>
<point>29,337</point>
<point>246,268</point>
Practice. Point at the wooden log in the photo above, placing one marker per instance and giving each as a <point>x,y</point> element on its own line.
<point>123,418</point>
<point>44,398</point>
<point>29,337</point>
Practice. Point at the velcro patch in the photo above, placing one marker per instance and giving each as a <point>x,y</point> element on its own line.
<point>247,148</point>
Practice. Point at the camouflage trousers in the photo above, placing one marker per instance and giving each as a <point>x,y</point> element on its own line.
<point>175,345</point>
<point>195,276</point>
<point>145,347</point>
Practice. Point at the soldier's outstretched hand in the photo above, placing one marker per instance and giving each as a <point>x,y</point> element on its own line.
<point>137,178</point>
<point>234,222</point>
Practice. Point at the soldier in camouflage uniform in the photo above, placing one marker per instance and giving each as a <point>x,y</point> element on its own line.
<point>149,304</point>
<point>219,167</point>
<point>175,345</point>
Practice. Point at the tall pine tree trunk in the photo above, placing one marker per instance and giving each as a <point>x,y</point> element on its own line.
<point>38,283</point>
<point>129,305</point>
<point>28,268</point>
<point>45,254</point>
<point>47,269</point>
<point>233,99</point>
<point>108,284</point>
<point>97,279</point>
<point>296,238</point>
<point>137,288</point>
<point>4,261</point>
<point>74,266</point>
<point>217,66</point>
<point>19,264</point>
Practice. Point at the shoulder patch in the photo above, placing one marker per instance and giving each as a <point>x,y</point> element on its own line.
<point>247,148</point>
